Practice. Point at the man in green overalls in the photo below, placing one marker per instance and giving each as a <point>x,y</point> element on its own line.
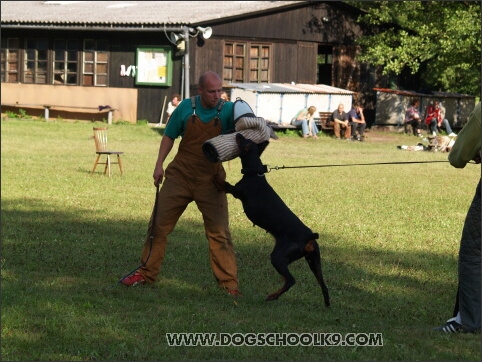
<point>189,177</point>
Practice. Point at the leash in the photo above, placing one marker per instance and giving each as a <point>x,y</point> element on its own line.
<point>151,237</point>
<point>354,164</point>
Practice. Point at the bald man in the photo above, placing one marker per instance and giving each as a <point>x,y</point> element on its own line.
<point>189,177</point>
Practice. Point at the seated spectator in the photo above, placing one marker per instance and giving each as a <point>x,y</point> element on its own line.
<point>339,121</point>
<point>445,122</point>
<point>305,119</point>
<point>224,96</point>
<point>412,118</point>
<point>357,121</point>
<point>434,120</point>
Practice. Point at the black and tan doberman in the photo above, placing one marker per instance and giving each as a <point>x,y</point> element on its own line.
<point>263,206</point>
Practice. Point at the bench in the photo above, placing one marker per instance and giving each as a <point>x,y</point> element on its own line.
<point>322,120</point>
<point>47,107</point>
<point>319,121</point>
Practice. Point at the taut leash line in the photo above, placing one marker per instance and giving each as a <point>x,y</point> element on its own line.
<point>355,164</point>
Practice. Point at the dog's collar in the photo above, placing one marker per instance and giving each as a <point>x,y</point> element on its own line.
<point>260,171</point>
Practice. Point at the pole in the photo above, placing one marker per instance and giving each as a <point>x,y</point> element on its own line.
<point>162,112</point>
<point>186,62</point>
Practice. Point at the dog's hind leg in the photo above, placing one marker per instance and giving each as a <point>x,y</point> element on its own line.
<point>314,261</point>
<point>280,259</point>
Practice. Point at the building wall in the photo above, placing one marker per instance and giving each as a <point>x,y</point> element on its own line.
<point>282,107</point>
<point>294,34</point>
<point>69,99</point>
<point>391,107</point>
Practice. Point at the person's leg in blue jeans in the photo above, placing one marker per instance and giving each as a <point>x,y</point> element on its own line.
<point>304,126</point>
<point>314,129</point>
<point>433,126</point>
<point>446,125</point>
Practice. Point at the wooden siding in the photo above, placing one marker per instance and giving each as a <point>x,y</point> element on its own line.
<point>298,24</point>
<point>306,63</point>
<point>294,35</point>
<point>285,71</point>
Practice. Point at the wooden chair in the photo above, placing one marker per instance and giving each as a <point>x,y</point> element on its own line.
<point>100,138</point>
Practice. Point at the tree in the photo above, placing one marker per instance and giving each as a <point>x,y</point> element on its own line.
<point>440,40</point>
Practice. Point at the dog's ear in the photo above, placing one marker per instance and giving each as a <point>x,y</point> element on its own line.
<point>262,146</point>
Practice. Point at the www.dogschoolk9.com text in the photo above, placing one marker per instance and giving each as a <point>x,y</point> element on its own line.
<point>275,339</point>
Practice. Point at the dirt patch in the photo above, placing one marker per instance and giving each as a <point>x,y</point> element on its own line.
<point>381,134</point>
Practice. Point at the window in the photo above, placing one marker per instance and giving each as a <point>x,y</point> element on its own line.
<point>58,61</point>
<point>10,60</point>
<point>240,66</point>
<point>65,61</point>
<point>35,61</point>
<point>95,60</point>
<point>234,62</point>
<point>259,64</point>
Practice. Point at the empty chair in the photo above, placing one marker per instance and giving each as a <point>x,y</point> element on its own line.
<point>100,137</point>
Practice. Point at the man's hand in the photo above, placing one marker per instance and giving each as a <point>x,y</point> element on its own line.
<point>158,175</point>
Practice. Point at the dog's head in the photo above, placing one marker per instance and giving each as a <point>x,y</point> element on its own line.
<point>250,153</point>
<point>440,143</point>
<point>246,145</point>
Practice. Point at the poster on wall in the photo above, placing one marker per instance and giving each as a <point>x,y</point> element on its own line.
<point>154,66</point>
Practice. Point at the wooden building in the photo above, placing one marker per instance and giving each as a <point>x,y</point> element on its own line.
<point>73,58</point>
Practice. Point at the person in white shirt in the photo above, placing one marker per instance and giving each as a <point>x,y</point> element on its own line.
<point>176,99</point>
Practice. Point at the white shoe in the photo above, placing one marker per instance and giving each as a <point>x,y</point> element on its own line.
<point>452,135</point>
<point>434,134</point>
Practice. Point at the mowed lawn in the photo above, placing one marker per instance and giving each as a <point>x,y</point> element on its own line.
<point>389,238</point>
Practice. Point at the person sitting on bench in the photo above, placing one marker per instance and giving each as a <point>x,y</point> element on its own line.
<point>339,121</point>
<point>305,119</point>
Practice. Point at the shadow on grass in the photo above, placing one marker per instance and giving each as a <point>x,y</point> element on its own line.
<point>158,130</point>
<point>60,271</point>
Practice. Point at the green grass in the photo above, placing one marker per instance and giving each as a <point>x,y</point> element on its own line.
<point>389,237</point>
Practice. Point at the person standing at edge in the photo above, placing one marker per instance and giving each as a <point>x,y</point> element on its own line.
<point>466,315</point>
<point>189,177</point>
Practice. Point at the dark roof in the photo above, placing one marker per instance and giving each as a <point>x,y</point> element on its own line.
<point>129,13</point>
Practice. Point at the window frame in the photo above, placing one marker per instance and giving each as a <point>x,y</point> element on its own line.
<point>7,71</point>
<point>35,61</point>
<point>24,61</point>
<point>63,74</point>
<point>100,58</point>
<point>240,63</point>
